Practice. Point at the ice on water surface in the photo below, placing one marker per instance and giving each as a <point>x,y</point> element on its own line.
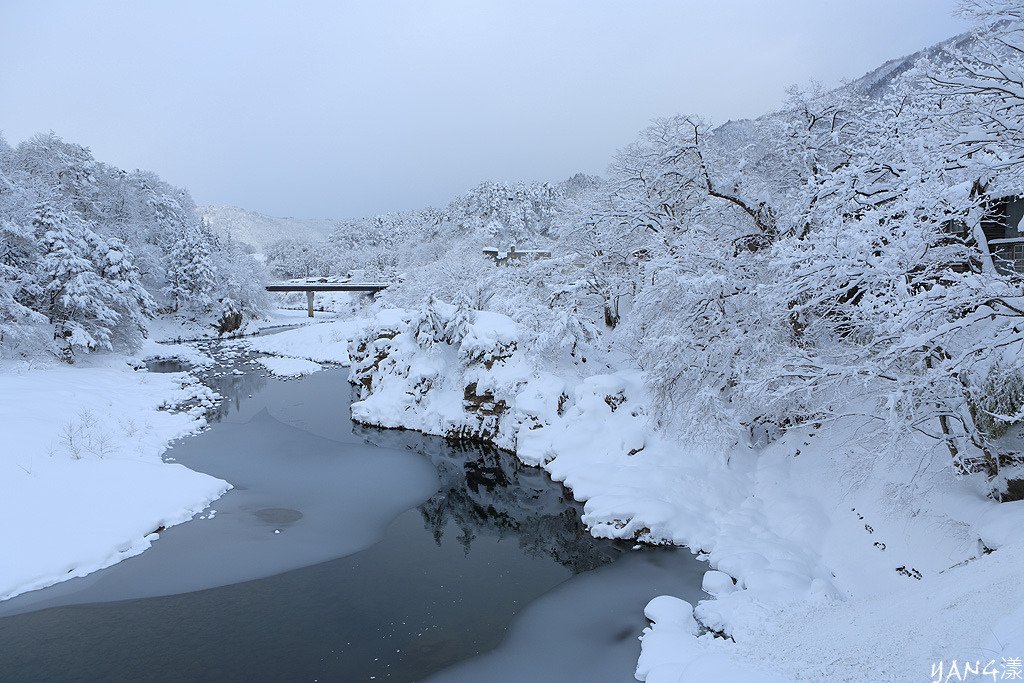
<point>296,468</point>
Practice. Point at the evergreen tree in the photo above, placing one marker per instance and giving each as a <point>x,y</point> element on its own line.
<point>18,322</point>
<point>88,287</point>
<point>124,290</point>
<point>71,291</point>
<point>458,327</point>
<point>430,327</point>
<point>191,274</point>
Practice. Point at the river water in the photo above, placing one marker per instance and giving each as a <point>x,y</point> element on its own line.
<point>348,554</point>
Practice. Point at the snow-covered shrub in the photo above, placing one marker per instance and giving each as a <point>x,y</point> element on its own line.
<point>85,436</point>
<point>460,322</point>
<point>230,318</point>
<point>431,326</point>
<point>490,338</point>
<point>1000,401</point>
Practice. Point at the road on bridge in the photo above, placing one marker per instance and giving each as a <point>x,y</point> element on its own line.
<point>311,288</point>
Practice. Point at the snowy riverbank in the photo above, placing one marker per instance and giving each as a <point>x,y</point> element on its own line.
<point>82,482</point>
<point>879,573</point>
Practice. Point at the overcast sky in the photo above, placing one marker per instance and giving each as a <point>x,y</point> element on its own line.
<point>338,109</point>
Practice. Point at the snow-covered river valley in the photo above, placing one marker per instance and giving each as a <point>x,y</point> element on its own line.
<point>345,553</point>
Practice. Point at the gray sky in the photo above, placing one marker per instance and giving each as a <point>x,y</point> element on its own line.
<point>330,108</point>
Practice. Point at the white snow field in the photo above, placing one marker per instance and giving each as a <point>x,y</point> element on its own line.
<point>82,484</point>
<point>816,576</point>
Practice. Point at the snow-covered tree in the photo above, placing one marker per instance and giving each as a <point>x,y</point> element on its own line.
<point>505,214</point>
<point>192,279</point>
<point>90,291</point>
<point>980,86</point>
<point>20,325</point>
<point>431,327</point>
<point>85,247</point>
<point>457,327</point>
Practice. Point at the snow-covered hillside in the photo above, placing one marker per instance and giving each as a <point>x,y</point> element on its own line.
<point>90,254</point>
<point>259,231</point>
<point>880,82</point>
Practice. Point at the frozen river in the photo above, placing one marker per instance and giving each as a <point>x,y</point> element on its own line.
<point>347,554</point>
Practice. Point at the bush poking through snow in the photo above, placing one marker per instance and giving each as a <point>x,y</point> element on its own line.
<point>86,436</point>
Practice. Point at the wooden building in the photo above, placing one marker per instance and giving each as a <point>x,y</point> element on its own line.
<point>1002,228</point>
<point>515,256</point>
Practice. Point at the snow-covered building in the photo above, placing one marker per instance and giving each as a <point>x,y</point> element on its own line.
<point>512,255</point>
<point>1002,227</point>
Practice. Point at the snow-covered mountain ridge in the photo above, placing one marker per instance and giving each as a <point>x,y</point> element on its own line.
<point>259,231</point>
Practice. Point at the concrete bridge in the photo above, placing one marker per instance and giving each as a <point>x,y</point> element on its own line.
<point>312,287</point>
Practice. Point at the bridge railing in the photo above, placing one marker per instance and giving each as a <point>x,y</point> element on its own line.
<point>311,288</point>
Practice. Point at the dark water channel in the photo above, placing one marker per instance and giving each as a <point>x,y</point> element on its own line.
<point>347,554</point>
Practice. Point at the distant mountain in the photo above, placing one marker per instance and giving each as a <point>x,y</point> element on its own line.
<point>875,84</point>
<point>878,82</point>
<point>510,213</point>
<point>259,231</point>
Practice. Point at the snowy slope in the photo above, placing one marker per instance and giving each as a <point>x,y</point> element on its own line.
<point>259,231</point>
<point>877,82</point>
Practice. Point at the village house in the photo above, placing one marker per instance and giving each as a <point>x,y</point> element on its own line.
<point>515,256</point>
<point>1002,228</point>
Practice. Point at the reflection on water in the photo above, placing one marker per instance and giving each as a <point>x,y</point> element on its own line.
<point>485,490</point>
<point>585,629</point>
<point>164,365</point>
<point>235,375</point>
<point>441,586</point>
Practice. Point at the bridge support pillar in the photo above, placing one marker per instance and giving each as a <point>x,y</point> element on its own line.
<point>309,301</point>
